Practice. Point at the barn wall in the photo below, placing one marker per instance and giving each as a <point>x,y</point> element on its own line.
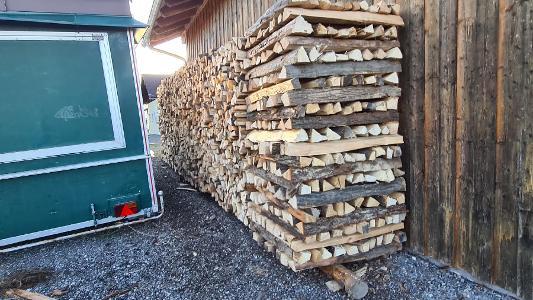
<point>467,116</point>
<point>220,20</point>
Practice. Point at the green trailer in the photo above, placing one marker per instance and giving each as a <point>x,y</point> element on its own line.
<point>74,155</point>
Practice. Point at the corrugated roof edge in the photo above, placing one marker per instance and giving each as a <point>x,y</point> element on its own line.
<point>72,19</point>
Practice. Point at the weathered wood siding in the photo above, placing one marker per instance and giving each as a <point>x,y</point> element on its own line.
<point>220,20</point>
<point>467,115</point>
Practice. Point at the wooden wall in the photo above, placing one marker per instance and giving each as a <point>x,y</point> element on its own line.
<point>220,20</point>
<point>468,120</point>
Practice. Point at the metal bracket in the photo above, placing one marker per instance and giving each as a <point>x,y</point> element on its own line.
<point>93,212</point>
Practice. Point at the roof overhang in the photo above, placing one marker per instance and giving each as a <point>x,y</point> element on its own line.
<point>170,19</point>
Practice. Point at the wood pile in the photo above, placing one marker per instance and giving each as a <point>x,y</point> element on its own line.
<point>202,123</point>
<point>294,128</point>
<point>325,160</point>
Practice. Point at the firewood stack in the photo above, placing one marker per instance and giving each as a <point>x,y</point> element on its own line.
<point>294,128</point>
<point>322,113</point>
<point>202,122</point>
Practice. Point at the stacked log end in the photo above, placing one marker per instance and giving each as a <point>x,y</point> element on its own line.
<point>294,129</point>
<point>325,160</point>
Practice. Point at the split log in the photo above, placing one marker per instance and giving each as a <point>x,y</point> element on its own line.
<point>348,194</point>
<point>309,122</point>
<point>341,68</point>
<point>308,149</point>
<point>353,285</point>
<point>342,94</point>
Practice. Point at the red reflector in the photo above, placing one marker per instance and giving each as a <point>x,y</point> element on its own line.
<point>126,209</point>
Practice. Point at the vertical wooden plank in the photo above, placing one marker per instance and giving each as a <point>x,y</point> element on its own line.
<point>431,128</point>
<point>217,21</point>
<point>251,5</point>
<point>244,19</point>
<point>200,40</point>
<point>460,134</point>
<point>238,20</point>
<point>505,242</point>
<point>231,17</point>
<point>479,149</point>
<point>522,14</point>
<point>514,239</point>
<point>207,25</point>
<point>201,24</point>
<point>195,43</point>
<point>212,27</point>
<point>187,43</point>
<point>225,22</point>
<point>442,231</point>
<point>412,110</point>
<point>253,14</point>
<point>220,23</point>
<point>235,18</point>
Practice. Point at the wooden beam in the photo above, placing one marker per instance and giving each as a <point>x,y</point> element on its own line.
<point>340,68</point>
<point>169,11</point>
<point>341,17</point>
<point>168,21</point>
<point>175,3</point>
<point>347,194</point>
<point>171,27</point>
<point>158,39</point>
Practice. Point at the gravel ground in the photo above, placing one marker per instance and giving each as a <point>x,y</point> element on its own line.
<point>197,251</point>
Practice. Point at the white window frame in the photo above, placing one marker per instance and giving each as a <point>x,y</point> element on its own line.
<point>119,141</point>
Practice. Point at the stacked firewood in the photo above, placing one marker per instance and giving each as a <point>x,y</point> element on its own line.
<point>294,128</point>
<point>322,113</point>
<point>203,121</point>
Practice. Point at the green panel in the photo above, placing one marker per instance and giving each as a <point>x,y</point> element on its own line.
<point>37,203</point>
<point>53,95</point>
<point>125,84</point>
<point>42,202</point>
<point>72,19</point>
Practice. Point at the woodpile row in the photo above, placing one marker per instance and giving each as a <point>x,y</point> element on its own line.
<point>202,123</point>
<point>295,129</point>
